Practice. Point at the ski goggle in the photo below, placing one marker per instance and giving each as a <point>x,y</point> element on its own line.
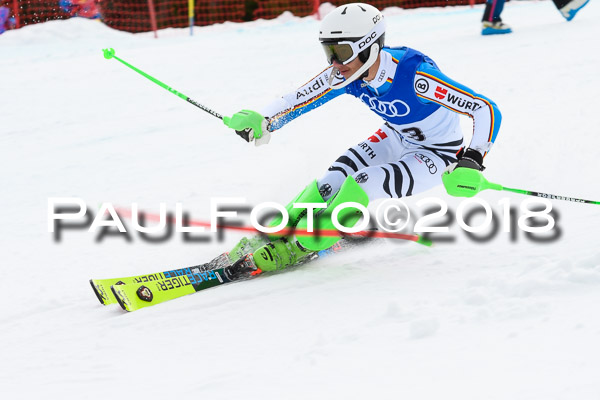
<point>341,52</point>
<point>347,50</point>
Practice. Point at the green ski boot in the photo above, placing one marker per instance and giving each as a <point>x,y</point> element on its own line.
<point>247,245</point>
<point>280,254</point>
<point>310,194</point>
<point>350,191</point>
<point>289,251</point>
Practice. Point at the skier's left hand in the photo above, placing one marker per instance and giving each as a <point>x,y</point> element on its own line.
<point>464,178</point>
<point>470,158</point>
<point>250,126</point>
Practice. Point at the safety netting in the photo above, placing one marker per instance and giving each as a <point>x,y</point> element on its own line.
<point>147,15</point>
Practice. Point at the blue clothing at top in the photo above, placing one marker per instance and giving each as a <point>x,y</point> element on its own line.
<point>409,93</point>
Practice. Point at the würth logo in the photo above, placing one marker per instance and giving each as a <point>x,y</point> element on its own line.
<point>440,93</point>
<point>379,135</point>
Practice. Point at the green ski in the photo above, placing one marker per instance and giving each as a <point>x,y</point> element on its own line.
<point>132,297</point>
<point>102,287</point>
<point>137,294</point>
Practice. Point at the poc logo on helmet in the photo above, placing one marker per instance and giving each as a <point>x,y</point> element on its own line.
<point>367,40</point>
<point>376,18</point>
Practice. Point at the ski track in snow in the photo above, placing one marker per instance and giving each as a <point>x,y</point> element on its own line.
<point>462,320</point>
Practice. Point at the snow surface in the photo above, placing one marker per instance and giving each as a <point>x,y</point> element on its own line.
<point>462,320</point>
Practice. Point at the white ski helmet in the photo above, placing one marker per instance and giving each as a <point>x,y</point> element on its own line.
<point>350,31</point>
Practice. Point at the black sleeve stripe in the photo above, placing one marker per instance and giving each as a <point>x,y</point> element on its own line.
<point>447,156</point>
<point>411,179</point>
<point>450,144</point>
<point>347,161</point>
<point>398,179</point>
<point>358,157</point>
<point>386,182</point>
<point>339,169</point>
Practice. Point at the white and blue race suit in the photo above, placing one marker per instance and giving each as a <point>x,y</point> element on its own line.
<point>420,135</point>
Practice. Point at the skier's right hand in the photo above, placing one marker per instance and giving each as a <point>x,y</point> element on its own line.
<point>470,158</point>
<point>250,126</point>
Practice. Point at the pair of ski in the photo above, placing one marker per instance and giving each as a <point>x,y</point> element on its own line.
<point>135,292</point>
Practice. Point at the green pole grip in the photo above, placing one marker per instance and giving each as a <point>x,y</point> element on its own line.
<point>466,182</point>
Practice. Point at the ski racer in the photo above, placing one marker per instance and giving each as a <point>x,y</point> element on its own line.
<point>418,140</point>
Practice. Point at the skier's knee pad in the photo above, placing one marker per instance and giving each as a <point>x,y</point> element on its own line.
<point>310,194</point>
<point>350,191</point>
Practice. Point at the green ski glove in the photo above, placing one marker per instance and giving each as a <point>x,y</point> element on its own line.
<point>250,126</point>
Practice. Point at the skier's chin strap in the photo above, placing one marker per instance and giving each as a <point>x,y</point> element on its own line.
<point>362,72</point>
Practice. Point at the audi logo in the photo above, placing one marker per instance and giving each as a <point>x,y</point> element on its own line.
<point>430,164</point>
<point>396,108</point>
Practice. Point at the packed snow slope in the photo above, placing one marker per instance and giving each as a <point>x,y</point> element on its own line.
<point>502,318</point>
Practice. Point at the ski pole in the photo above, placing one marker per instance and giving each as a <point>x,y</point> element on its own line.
<point>467,182</point>
<point>550,196</point>
<point>110,53</point>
